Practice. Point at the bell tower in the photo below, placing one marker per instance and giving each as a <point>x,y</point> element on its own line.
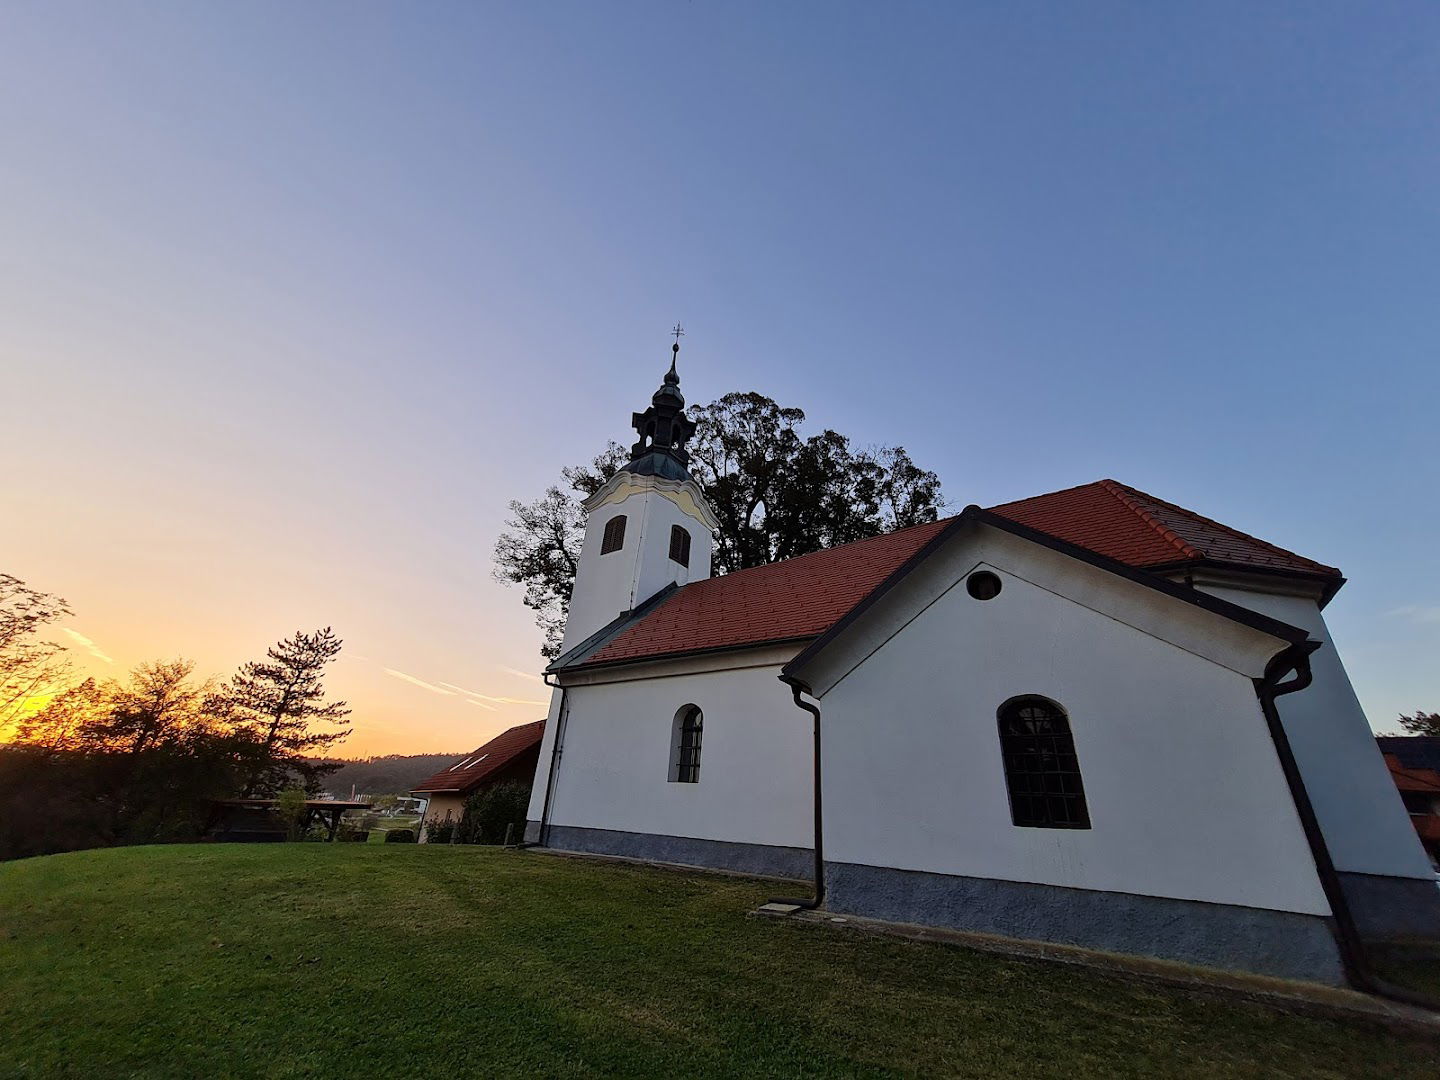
<point>649,525</point>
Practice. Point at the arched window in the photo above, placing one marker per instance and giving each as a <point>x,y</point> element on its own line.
<point>1042,772</point>
<point>679,545</point>
<point>685,745</point>
<point>614,538</point>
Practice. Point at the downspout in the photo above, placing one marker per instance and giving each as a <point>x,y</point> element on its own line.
<point>560,717</point>
<point>1356,962</point>
<point>796,688</point>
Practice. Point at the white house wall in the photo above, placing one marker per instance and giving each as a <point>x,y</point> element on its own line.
<point>613,774</point>
<point>542,768</point>
<point>1359,808</point>
<point>607,585</point>
<point>1383,867</point>
<point>1185,792</point>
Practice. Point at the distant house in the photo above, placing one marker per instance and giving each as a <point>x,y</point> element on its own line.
<point>511,755</point>
<point>1414,762</point>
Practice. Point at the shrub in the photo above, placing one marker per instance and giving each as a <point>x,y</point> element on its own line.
<point>441,832</point>
<point>488,813</point>
<point>290,805</point>
<point>400,836</point>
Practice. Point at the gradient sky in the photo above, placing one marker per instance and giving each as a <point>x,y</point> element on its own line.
<point>295,297</point>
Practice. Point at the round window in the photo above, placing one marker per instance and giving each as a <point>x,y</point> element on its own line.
<point>983,585</point>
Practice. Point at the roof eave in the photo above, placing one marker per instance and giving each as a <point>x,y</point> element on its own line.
<point>678,654</point>
<point>1329,579</point>
<point>579,655</point>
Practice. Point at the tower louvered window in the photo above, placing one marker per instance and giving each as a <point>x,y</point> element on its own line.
<point>679,545</point>
<point>614,538</point>
<point>1042,772</point>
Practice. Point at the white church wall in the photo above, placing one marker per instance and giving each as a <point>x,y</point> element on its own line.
<point>542,768</point>
<point>1355,800</point>
<point>1185,793</point>
<point>607,585</point>
<point>1228,643</point>
<point>755,765</point>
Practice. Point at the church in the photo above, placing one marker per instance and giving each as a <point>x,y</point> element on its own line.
<point>1089,717</point>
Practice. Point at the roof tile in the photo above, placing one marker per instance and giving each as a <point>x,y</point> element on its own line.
<point>471,770</point>
<point>803,597</point>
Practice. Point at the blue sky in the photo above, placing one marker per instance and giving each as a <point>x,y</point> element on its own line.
<point>294,298</point>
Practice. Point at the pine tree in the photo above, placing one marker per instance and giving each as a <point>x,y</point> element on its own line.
<point>274,705</point>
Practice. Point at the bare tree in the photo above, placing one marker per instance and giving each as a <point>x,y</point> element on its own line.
<point>540,550</point>
<point>28,665</point>
<point>68,720</point>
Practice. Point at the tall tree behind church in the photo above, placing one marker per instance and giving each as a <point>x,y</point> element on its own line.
<point>776,492</point>
<point>274,705</point>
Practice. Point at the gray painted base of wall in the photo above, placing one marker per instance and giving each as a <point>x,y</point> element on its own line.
<point>763,859</point>
<point>1392,907</point>
<point>1280,943</point>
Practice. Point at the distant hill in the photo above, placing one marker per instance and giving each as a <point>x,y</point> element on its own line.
<point>393,774</point>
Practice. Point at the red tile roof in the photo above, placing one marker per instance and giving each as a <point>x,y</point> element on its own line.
<point>795,599</point>
<point>1411,779</point>
<point>1140,530</point>
<point>473,769</point>
<point>803,597</point>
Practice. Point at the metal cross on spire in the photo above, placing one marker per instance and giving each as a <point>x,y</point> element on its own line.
<point>678,332</point>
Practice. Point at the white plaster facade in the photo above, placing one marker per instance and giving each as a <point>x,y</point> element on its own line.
<point>1186,795</point>
<point>1358,805</point>
<point>615,769</point>
<point>608,585</point>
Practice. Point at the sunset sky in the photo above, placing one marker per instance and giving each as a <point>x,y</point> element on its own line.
<point>295,297</point>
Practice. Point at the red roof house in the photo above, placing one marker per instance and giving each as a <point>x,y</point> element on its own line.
<point>1414,764</point>
<point>511,755</point>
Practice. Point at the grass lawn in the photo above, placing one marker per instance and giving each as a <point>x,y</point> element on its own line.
<point>377,834</point>
<point>358,960</point>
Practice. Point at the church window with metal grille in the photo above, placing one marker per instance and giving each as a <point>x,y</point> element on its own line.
<point>1042,771</point>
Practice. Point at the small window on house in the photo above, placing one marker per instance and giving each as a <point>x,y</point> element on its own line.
<point>679,545</point>
<point>685,745</point>
<point>1042,772</point>
<point>614,538</point>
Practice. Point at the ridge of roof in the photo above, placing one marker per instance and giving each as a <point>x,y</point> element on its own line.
<point>1194,515</point>
<point>1126,495</point>
<point>801,598</point>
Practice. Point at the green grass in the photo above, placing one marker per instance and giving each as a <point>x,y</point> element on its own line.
<point>1414,965</point>
<point>377,834</point>
<point>363,961</point>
